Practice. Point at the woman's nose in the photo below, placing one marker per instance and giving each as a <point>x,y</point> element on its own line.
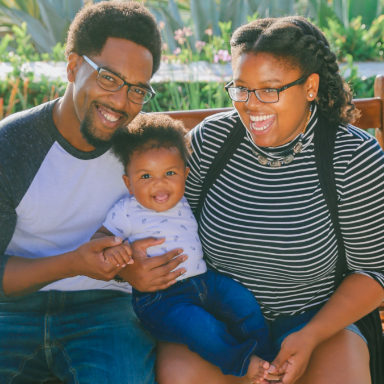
<point>253,101</point>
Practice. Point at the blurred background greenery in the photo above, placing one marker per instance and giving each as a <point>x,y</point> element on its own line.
<point>192,30</point>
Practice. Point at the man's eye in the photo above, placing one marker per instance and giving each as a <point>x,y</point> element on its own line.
<point>146,176</point>
<point>108,78</point>
<point>139,91</point>
<point>170,173</point>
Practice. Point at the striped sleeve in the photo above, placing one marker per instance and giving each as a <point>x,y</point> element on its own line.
<point>361,208</point>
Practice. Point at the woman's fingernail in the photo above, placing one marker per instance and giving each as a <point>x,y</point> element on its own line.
<point>184,258</point>
<point>271,369</point>
<point>123,265</point>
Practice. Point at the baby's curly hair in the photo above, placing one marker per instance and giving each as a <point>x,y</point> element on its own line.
<point>303,45</point>
<point>94,24</point>
<point>149,131</point>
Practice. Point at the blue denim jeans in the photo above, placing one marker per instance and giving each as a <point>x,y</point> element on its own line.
<point>77,337</point>
<point>213,315</point>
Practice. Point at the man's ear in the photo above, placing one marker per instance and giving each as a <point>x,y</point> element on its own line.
<point>127,183</point>
<point>72,66</point>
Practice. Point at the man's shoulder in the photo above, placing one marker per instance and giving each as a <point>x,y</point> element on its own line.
<point>26,131</point>
<point>27,123</point>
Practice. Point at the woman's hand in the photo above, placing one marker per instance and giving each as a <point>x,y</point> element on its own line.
<point>294,355</point>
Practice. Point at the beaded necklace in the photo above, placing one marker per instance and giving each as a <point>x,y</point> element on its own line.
<point>286,159</point>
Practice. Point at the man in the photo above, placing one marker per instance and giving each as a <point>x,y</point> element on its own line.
<point>62,315</point>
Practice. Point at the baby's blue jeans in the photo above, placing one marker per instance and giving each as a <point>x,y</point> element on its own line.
<point>213,315</point>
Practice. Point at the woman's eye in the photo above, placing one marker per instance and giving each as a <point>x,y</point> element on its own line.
<point>146,176</point>
<point>269,90</point>
<point>170,173</point>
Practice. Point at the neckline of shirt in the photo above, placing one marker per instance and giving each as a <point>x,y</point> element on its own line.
<point>286,149</point>
<point>65,144</point>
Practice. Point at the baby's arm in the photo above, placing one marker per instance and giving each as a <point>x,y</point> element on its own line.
<point>120,255</point>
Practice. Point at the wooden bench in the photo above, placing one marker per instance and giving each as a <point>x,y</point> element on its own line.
<point>372,116</point>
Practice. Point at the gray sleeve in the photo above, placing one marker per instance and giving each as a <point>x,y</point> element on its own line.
<point>7,224</point>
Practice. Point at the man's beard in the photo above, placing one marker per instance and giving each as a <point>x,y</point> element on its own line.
<point>92,136</point>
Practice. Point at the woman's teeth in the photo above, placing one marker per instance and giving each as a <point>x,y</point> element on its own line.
<point>260,118</point>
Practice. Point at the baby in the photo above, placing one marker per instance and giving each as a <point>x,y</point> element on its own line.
<point>212,314</point>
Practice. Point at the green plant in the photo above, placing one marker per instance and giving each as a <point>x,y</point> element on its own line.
<point>357,40</point>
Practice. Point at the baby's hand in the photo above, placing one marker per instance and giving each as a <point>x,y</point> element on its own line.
<point>120,255</point>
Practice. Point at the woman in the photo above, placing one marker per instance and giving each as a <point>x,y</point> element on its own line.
<point>265,221</point>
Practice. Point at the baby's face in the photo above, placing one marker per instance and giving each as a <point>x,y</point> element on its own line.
<point>157,178</point>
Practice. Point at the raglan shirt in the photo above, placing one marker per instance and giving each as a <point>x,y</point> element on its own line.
<point>130,220</point>
<point>270,228</point>
<point>53,197</point>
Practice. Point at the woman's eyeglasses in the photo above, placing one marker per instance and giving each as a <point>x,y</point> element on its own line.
<point>265,95</point>
<point>111,82</point>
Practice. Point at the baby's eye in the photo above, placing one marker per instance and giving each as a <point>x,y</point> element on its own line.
<point>146,176</point>
<point>170,173</point>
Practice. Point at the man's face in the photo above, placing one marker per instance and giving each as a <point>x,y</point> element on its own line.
<point>102,113</point>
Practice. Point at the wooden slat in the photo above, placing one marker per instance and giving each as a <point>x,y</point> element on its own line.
<point>370,111</point>
<point>379,92</point>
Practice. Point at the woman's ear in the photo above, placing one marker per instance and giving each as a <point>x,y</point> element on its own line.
<point>312,86</point>
<point>127,183</point>
<point>72,66</point>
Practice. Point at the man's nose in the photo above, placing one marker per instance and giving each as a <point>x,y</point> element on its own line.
<point>120,98</point>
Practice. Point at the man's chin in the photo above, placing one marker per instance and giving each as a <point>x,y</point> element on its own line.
<point>89,134</point>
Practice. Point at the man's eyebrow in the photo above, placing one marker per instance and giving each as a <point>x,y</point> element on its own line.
<point>140,84</point>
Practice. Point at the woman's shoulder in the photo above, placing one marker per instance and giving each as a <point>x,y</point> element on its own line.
<point>217,124</point>
<point>354,137</point>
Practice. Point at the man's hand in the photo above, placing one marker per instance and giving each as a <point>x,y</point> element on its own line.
<point>293,358</point>
<point>148,274</point>
<point>120,255</point>
<point>89,260</point>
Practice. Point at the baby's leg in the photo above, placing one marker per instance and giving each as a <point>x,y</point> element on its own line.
<point>234,304</point>
<point>179,318</point>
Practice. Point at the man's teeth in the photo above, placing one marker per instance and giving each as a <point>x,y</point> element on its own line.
<point>260,118</point>
<point>109,117</point>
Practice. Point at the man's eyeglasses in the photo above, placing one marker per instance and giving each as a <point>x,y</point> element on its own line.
<point>265,95</point>
<point>111,82</point>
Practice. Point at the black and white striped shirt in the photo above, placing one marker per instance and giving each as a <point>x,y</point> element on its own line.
<point>270,229</point>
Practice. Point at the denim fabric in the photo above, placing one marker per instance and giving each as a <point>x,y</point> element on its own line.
<point>285,325</point>
<point>213,315</point>
<point>3,262</point>
<point>78,337</point>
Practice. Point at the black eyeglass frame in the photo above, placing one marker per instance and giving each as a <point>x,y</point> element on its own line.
<point>100,69</point>
<point>278,90</point>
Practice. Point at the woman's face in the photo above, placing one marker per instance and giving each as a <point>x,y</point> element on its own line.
<point>273,124</point>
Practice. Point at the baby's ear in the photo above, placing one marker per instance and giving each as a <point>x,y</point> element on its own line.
<point>127,183</point>
<point>187,169</point>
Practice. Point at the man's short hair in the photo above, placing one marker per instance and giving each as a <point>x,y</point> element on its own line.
<point>151,131</point>
<point>94,24</point>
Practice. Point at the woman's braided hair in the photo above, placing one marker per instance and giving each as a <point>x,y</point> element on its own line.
<point>302,45</point>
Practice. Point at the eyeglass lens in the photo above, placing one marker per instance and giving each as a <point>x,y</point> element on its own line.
<point>110,82</point>
<point>269,95</point>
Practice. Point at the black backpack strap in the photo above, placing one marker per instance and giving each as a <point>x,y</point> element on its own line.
<point>324,143</point>
<point>221,159</point>
<point>370,325</point>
